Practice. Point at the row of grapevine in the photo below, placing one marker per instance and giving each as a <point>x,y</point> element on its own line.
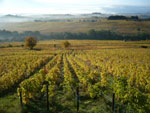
<point>19,68</point>
<point>70,78</point>
<point>96,80</point>
<point>54,78</point>
<point>130,77</point>
<point>31,88</point>
<point>99,74</point>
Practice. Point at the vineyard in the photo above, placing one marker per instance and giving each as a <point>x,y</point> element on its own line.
<point>89,77</point>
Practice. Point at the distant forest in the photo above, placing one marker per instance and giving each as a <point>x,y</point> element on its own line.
<point>117,17</point>
<point>121,17</point>
<point>8,36</point>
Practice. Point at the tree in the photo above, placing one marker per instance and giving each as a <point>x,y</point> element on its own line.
<point>30,42</point>
<point>92,33</point>
<point>66,44</point>
<point>54,45</point>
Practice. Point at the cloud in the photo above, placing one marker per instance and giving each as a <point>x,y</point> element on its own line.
<point>127,9</point>
<point>48,10</point>
<point>65,1</point>
<point>25,10</point>
<point>65,6</point>
<point>81,2</point>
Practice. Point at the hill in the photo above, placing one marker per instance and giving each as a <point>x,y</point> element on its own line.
<point>80,25</point>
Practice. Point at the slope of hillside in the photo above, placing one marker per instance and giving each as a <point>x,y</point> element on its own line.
<point>80,25</point>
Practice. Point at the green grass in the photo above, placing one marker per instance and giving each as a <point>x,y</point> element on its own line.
<point>10,104</point>
<point>62,104</point>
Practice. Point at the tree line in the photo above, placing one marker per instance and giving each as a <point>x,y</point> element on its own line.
<point>8,36</point>
<point>120,17</point>
<point>133,18</point>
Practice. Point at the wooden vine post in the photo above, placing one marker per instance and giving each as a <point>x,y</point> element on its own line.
<point>20,96</point>
<point>47,96</point>
<point>78,95</point>
<point>113,102</point>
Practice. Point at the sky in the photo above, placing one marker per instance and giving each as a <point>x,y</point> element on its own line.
<point>72,6</point>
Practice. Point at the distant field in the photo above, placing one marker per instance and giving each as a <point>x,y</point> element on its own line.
<point>119,26</point>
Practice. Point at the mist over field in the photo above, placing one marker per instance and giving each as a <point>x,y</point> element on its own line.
<point>141,11</point>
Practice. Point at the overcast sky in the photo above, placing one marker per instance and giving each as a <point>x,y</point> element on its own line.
<point>69,6</point>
